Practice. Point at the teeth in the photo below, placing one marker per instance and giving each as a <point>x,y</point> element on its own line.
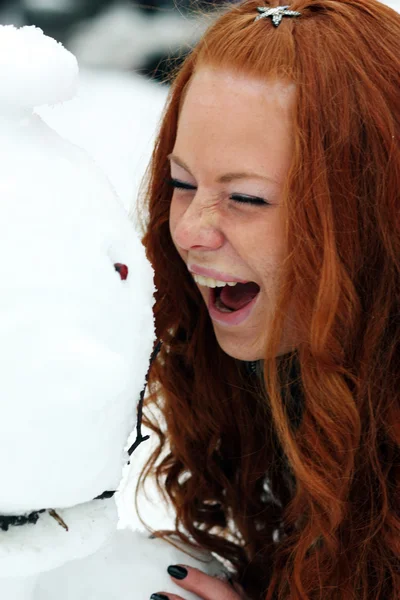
<point>209,282</point>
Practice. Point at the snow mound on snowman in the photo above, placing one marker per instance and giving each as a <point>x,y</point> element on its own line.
<point>34,69</point>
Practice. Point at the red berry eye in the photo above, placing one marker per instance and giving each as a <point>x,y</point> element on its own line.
<point>122,270</point>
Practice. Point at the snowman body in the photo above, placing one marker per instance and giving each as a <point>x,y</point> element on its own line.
<point>77,331</point>
<point>128,565</point>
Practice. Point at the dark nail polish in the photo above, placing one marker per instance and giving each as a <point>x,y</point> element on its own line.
<point>158,597</point>
<point>177,572</point>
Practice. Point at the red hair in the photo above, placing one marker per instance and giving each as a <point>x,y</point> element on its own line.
<point>295,478</point>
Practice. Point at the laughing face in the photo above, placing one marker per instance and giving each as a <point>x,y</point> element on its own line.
<point>232,153</point>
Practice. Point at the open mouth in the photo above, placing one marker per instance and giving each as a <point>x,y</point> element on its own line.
<point>232,299</point>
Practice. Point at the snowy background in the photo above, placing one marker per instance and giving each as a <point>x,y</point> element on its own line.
<point>141,36</point>
<point>125,50</point>
<point>114,117</point>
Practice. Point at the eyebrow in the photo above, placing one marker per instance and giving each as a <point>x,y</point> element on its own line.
<point>227,177</point>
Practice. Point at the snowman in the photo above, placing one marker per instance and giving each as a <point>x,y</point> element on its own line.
<point>77,335</point>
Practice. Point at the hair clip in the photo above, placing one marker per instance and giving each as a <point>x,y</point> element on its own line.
<point>276,13</point>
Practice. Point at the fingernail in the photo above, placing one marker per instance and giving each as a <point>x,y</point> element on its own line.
<point>158,597</point>
<point>177,572</point>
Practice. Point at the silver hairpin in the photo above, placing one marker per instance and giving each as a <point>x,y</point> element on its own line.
<point>276,13</point>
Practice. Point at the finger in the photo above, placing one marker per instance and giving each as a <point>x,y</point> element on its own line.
<point>205,586</point>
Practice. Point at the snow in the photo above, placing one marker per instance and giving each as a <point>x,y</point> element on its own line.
<point>76,338</point>
<point>128,565</point>
<point>31,549</point>
<point>122,36</point>
<point>126,558</point>
<point>34,69</point>
<point>50,5</point>
<point>128,108</point>
<point>395,4</point>
<point>114,117</point>
<point>77,329</point>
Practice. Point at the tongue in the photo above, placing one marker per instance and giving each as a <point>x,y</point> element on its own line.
<point>237,296</point>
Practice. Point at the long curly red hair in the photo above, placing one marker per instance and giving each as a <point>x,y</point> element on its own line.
<point>294,476</point>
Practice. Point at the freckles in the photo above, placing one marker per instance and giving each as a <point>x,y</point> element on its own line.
<point>174,219</point>
<point>174,239</point>
<point>269,277</point>
<point>171,226</point>
<point>181,234</point>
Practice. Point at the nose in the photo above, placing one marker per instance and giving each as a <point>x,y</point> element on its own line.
<point>197,225</point>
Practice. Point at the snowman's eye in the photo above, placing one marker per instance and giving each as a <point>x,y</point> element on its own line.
<point>122,270</point>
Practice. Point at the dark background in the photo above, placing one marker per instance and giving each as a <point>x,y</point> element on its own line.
<point>149,37</point>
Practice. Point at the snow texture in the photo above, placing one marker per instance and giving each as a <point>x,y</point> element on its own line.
<point>25,550</point>
<point>76,338</point>
<point>68,320</point>
<point>34,69</point>
<point>114,117</point>
<point>395,4</point>
<point>129,565</point>
<point>76,341</point>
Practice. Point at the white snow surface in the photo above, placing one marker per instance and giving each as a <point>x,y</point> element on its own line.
<point>114,117</point>
<point>76,341</point>
<point>133,563</point>
<point>395,4</point>
<point>128,565</point>
<point>28,550</point>
<point>34,69</point>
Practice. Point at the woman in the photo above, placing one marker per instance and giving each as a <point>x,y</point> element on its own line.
<point>276,179</point>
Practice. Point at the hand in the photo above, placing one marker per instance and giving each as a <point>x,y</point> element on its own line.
<point>204,586</point>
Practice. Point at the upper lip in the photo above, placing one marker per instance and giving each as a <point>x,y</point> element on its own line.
<point>218,275</point>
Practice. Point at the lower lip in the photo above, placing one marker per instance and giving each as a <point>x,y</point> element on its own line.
<point>233,318</point>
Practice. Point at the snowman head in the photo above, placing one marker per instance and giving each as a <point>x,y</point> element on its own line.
<point>76,295</point>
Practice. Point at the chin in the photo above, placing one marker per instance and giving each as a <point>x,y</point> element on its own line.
<point>239,350</point>
<point>248,352</point>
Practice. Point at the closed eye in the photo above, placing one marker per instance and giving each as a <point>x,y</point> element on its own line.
<point>241,198</point>
<point>244,199</point>
<point>181,185</point>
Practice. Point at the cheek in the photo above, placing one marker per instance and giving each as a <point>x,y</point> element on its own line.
<point>253,244</point>
<point>173,219</point>
<point>264,242</point>
<point>175,214</point>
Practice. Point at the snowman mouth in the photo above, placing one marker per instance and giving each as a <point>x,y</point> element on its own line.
<point>233,298</point>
